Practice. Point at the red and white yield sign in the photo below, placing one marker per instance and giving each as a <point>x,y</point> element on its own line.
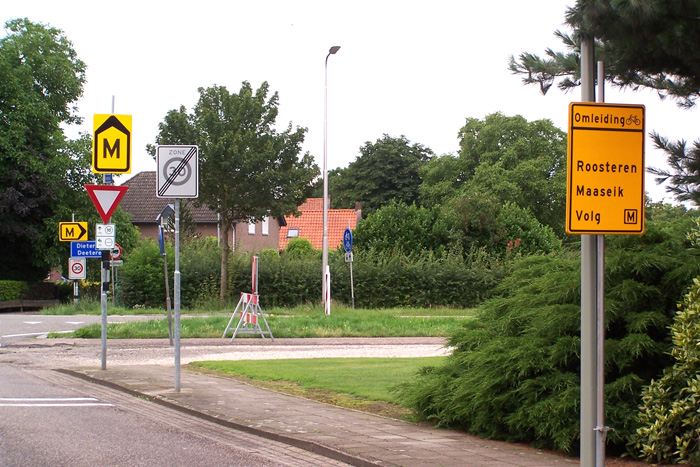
<point>106,198</point>
<point>76,268</point>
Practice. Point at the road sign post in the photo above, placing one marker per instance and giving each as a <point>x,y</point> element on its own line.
<point>177,176</point>
<point>76,268</point>
<point>111,150</point>
<point>72,231</point>
<point>347,245</point>
<point>84,250</point>
<point>177,171</point>
<point>605,172</point>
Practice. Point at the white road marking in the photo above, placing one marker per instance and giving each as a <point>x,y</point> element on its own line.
<point>32,322</point>
<point>52,402</point>
<point>26,335</point>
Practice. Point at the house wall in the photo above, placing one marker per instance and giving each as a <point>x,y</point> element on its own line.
<point>258,241</point>
<point>243,240</point>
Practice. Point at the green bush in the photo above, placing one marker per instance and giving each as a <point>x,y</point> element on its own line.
<point>141,277</point>
<point>12,290</point>
<point>514,374</point>
<point>200,272</point>
<point>300,247</point>
<point>669,416</point>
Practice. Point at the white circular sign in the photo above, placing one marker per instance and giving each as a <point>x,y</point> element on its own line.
<point>77,268</point>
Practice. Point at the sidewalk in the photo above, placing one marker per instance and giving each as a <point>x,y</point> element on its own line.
<point>349,436</point>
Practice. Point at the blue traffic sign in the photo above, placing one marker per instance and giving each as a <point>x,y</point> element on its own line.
<point>84,250</point>
<point>347,240</point>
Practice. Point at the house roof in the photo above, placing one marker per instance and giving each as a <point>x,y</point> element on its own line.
<point>141,202</point>
<point>310,224</point>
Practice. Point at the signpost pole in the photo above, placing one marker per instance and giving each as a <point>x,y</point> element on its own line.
<point>589,249</point>
<point>176,294</point>
<point>600,428</point>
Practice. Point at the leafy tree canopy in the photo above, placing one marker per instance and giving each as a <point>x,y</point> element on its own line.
<point>42,79</point>
<point>385,170</point>
<point>502,159</point>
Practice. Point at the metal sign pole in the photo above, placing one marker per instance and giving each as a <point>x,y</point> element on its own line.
<point>103,300</point>
<point>176,294</point>
<point>600,429</point>
<point>589,256</point>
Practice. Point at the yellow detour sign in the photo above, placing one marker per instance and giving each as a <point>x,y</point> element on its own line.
<point>111,150</point>
<point>605,172</point>
<point>72,231</point>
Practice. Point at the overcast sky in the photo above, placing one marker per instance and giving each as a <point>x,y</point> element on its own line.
<point>413,68</point>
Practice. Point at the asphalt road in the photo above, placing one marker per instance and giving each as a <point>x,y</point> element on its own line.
<point>15,327</point>
<point>48,419</point>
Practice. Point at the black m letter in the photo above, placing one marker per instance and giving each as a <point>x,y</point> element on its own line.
<point>112,149</point>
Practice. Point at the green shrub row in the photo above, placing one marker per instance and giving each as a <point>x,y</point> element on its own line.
<point>381,280</point>
<point>12,290</point>
<point>42,290</point>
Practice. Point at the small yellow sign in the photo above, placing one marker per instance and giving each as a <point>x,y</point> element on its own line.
<point>72,231</point>
<point>605,172</point>
<point>111,150</point>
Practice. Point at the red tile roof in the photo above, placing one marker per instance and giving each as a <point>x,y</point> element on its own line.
<point>310,224</point>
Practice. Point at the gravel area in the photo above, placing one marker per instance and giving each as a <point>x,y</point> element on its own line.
<point>67,353</point>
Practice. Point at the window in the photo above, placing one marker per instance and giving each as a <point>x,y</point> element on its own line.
<point>266,226</point>
<point>251,228</point>
<point>292,233</point>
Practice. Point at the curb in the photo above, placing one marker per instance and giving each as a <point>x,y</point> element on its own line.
<point>309,446</point>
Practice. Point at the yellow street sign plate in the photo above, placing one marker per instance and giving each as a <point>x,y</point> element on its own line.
<point>605,172</point>
<point>111,150</point>
<point>73,231</point>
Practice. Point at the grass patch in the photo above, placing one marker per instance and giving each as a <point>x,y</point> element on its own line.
<point>299,322</point>
<point>365,384</point>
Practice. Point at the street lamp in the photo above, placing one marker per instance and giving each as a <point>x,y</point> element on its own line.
<point>324,297</point>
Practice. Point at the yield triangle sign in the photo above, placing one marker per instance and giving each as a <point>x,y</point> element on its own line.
<point>106,198</point>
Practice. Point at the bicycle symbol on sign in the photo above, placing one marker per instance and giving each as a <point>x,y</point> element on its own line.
<point>633,119</point>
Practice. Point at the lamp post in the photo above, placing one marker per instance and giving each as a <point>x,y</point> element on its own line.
<point>332,51</point>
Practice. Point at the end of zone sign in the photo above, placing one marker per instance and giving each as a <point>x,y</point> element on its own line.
<point>605,172</point>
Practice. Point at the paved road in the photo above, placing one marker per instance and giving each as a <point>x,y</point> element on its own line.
<point>49,418</point>
<point>15,327</point>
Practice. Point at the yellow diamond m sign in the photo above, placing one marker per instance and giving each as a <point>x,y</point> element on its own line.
<point>605,171</point>
<point>111,150</point>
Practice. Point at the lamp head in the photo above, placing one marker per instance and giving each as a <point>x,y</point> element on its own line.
<point>334,49</point>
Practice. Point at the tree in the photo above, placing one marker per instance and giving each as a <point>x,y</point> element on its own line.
<point>42,78</point>
<point>649,44</point>
<point>385,170</point>
<point>501,159</point>
<point>684,175</point>
<point>249,169</point>
<point>409,229</point>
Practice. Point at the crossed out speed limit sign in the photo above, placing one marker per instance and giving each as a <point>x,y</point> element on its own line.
<point>177,175</point>
<point>76,268</point>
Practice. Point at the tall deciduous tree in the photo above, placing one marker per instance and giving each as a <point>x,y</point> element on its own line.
<point>502,160</point>
<point>42,79</point>
<point>248,169</point>
<point>385,171</point>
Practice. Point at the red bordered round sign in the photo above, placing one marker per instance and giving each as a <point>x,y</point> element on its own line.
<point>116,252</point>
